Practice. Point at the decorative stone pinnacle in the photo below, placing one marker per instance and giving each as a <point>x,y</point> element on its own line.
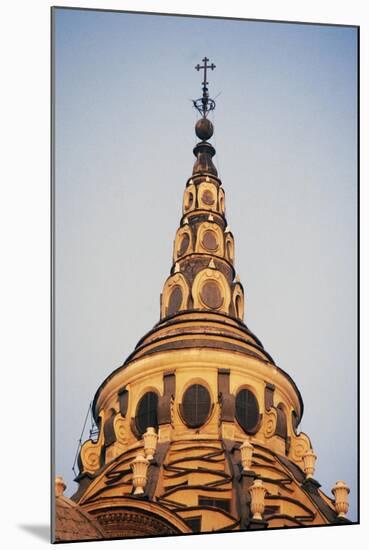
<point>257,492</point>
<point>227,229</point>
<point>139,478</point>
<point>185,221</point>
<point>60,486</point>
<point>238,279</point>
<point>309,459</point>
<point>177,268</point>
<point>150,438</point>
<point>211,218</point>
<point>341,492</point>
<point>247,450</point>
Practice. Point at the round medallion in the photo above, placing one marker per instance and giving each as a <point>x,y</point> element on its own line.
<point>209,240</point>
<point>211,295</point>
<point>175,300</point>
<point>208,197</point>
<point>184,244</point>
<point>195,405</point>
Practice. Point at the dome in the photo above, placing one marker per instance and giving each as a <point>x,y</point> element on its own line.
<point>72,523</point>
<point>199,484</point>
<point>198,429</point>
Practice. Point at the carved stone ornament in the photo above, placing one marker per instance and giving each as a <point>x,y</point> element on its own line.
<point>60,486</point>
<point>139,478</point>
<point>309,459</point>
<point>270,422</point>
<point>341,492</point>
<point>133,523</point>
<point>300,444</point>
<point>150,438</point>
<point>247,450</point>
<point>120,429</point>
<point>120,445</point>
<point>257,492</point>
<point>90,453</point>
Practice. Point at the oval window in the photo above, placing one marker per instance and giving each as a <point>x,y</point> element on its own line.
<point>189,200</point>
<point>175,300</point>
<point>184,244</point>
<point>247,410</point>
<point>147,412</point>
<point>211,295</point>
<point>207,197</point>
<point>195,405</point>
<point>209,240</point>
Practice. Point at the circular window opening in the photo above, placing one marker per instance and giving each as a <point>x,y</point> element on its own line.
<point>147,412</point>
<point>195,405</point>
<point>247,410</point>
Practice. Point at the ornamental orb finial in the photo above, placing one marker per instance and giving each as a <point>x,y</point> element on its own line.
<point>204,129</point>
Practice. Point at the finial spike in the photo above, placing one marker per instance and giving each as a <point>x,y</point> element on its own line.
<point>212,264</point>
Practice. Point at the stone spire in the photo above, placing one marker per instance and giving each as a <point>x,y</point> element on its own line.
<point>203,275</point>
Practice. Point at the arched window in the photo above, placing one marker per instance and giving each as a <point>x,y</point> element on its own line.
<point>247,410</point>
<point>147,412</point>
<point>281,428</point>
<point>195,406</point>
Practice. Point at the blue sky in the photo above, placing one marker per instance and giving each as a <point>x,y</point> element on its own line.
<point>285,135</point>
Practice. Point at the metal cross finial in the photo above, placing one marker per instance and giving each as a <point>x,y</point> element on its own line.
<point>205,66</point>
<point>204,104</point>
